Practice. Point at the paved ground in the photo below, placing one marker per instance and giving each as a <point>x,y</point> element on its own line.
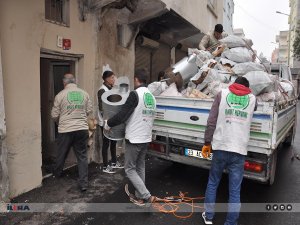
<point>163,178</point>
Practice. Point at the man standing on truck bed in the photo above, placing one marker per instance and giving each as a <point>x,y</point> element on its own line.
<point>212,38</point>
<point>228,129</point>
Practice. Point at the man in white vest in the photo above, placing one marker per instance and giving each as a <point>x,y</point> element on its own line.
<point>138,114</point>
<point>228,129</point>
<point>108,83</point>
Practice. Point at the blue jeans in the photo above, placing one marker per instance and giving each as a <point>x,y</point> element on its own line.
<point>234,163</point>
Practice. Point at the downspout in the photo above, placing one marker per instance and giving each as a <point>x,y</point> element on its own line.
<point>4,182</point>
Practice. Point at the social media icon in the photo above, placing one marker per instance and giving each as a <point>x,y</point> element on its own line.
<point>289,207</point>
<point>282,207</point>
<point>275,207</point>
<point>268,207</point>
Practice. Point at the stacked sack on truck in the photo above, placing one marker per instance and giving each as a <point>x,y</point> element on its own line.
<point>204,74</point>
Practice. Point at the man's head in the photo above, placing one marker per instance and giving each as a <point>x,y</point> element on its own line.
<point>109,77</point>
<point>242,81</point>
<point>69,79</point>
<point>218,31</point>
<point>140,77</point>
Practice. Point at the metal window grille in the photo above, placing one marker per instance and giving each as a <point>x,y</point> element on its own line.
<point>56,11</point>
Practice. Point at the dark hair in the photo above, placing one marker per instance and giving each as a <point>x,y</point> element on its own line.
<point>161,75</point>
<point>107,74</point>
<point>219,28</point>
<point>242,81</point>
<point>141,75</point>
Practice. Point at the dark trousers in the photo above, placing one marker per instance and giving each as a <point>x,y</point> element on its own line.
<point>105,145</point>
<point>77,139</point>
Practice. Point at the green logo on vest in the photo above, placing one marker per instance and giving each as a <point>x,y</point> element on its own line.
<point>237,102</point>
<point>75,97</point>
<point>149,101</point>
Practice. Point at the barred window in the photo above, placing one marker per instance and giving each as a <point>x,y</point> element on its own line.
<point>57,11</point>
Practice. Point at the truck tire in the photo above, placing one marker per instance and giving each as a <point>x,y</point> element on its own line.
<point>289,139</point>
<point>273,167</point>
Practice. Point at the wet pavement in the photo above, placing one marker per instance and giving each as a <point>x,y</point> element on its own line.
<point>164,179</point>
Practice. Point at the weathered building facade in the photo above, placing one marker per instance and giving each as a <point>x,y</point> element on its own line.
<point>43,39</point>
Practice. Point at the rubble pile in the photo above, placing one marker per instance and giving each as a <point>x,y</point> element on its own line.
<point>203,74</point>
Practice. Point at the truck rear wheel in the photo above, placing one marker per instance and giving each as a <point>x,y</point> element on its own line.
<point>273,166</point>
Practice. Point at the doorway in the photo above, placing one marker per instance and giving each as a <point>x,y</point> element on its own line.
<point>51,76</point>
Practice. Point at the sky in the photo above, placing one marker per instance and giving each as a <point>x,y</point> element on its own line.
<point>260,21</point>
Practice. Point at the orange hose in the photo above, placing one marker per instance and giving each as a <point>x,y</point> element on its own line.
<point>165,205</point>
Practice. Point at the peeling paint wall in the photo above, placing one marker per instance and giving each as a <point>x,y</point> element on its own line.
<point>197,12</point>
<point>24,32</point>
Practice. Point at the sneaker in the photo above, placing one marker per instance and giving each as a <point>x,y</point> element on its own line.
<point>206,221</point>
<point>108,169</point>
<point>117,165</point>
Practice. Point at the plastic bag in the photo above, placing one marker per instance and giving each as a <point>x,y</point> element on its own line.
<point>171,91</point>
<point>225,61</point>
<point>202,56</point>
<point>239,55</point>
<point>287,87</point>
<point>214,75</point>
<point>266,97</point>
<point>243,68</point>
<point>260,82</point>
<point>156,88</point>
<point>233,41</point>
<point>215,87</point>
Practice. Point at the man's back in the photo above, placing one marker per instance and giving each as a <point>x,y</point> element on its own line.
<point>71,107</point>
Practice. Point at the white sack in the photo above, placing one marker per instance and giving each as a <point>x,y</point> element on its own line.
<point>260,82</point>
<point>171,91</point>
<point>287,87</point>
<point>243,68</point>
<point>215,87</point>
<point>239,55</point>
<point>266,97</point>
<point>233,41</point>
<point>156,88</point>
<point>224,61</point>
<point>202,56</point>
<point>214,75</point>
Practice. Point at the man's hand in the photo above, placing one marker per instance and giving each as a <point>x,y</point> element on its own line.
<point>206,150</point>
<point>105,126</point>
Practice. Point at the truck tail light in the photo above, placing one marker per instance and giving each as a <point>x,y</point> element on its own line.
<point>253,167</point>
<point>157,147</point>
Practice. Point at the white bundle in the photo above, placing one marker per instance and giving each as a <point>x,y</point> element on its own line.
<point>171,91</point>
<point>260,82</point>
<point>233,41</point>
<point>202,56</point>
<point>288,87</point>
<point>156,88</point>
<point>215,87</point>
<point>214,75</point>
<point>224,61</point>
<point>239,55</point>
<point>243,68</point>
<point>266,97</point>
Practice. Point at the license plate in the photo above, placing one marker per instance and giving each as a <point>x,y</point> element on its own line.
<point>196,153</point>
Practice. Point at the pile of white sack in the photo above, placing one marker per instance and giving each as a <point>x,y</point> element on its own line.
<point>219,69</point>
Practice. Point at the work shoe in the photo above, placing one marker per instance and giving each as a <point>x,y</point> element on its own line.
<point>117,165</point>
<point>136,201</point>
<point>206,221</point>
<point>108,169</point>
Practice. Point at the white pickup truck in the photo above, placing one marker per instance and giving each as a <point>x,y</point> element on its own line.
<point>180,124</point>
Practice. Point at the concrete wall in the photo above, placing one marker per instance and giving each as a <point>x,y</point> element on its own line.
<point>24,32</point>
<point>4,182</point>
<point>197,12</point>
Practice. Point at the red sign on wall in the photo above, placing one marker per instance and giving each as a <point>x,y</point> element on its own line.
<point>66,44</point>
